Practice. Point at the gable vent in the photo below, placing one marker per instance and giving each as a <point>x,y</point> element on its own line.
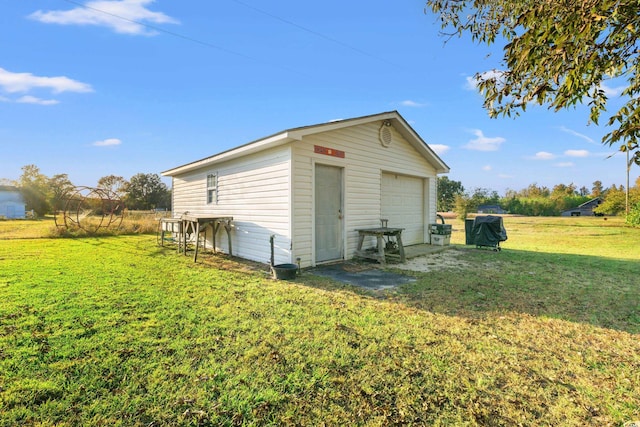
<point>385,135</point>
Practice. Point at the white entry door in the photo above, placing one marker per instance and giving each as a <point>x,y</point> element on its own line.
<point>328,213</point>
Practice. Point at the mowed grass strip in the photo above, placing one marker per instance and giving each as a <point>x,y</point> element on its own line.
<point>25,228</point>
<point>117,331</point>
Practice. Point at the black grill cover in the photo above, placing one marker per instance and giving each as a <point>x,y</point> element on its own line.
<point>488,231</point>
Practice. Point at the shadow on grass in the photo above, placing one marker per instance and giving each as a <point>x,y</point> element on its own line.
<point>600,291</point>
<point>603,292</point>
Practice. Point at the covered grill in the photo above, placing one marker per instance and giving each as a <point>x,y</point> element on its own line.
<point>487,231</point>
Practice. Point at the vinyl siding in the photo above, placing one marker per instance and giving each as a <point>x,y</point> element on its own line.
<point>365,161</point>
<point>255,191</point>
<point>11,205</point>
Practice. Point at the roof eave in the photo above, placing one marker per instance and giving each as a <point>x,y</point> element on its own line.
<point>420,145</point>
<point>296,134</point>
<point>243,150</point>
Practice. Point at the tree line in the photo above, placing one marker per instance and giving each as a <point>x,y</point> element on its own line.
<point>46,195</point>
<point>537,200</point>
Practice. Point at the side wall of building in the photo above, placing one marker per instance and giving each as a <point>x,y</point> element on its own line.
<point>256,191</point>
<point>11,205</point>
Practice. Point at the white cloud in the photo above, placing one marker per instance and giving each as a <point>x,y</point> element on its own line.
<point>439,149</point>
<point>28,99</point>
<point>579,135</point>
<point>612,91</point>
<point>409,103</point>
<point>484,143</point>
<point>472,81</point>
<point>504,176</point>
<point>110,142</point>
<point>124,16</point>
<point>543,155</point>
<point>24,82</point>
<point>564,164</point>
<point>487,168</point>
<point>576,153</point>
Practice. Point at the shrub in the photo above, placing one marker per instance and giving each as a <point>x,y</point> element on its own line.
<point>634,216</point>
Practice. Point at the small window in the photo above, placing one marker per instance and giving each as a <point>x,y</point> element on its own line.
<point>212,188</point>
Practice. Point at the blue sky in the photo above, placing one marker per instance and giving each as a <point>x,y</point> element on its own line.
<point>121,87</point>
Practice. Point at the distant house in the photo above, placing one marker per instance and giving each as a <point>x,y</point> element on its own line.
<point>585,209</point>
<point>491,209</point>
<point>11,202</point>
<point>314,186</point>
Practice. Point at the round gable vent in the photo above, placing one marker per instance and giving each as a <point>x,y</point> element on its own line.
<point>386,137</point>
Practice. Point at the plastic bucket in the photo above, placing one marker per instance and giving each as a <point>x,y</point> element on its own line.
<point>285,271</point>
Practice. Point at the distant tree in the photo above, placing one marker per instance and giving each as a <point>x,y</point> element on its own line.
<point>597,189</point>
<point>556,53</point>
<point>463,206</point>
<point>509,193</point>
<point>536,200</point>
<point>59,186</point>
<point>113,183</point>
<point>533,191</point>
<point>562,190</point>
<point>447,191</point>
<point>584,191</point>
<point>614,202</point>
<point>34,188</point>
<point>147,191</point>
<point>484,196</point>
<point>468,203</point>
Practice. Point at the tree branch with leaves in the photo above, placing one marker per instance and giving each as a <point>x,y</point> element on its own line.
<point>557,53</point>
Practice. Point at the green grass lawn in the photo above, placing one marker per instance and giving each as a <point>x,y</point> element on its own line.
<point>118,331</point>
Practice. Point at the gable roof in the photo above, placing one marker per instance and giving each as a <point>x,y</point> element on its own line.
<point>595,201</point>
<point>11,194</point>
<point>296,134</point>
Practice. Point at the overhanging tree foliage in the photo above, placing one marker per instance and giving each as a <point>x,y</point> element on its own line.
<point>557,53</point>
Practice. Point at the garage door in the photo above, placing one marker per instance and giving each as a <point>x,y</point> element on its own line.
<point>403,205</point>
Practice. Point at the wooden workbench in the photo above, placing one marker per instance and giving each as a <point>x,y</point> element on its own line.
<point>195,224</point>
<point>379,233</point>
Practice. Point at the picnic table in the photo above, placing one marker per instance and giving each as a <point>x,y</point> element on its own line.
<point>380,233</point>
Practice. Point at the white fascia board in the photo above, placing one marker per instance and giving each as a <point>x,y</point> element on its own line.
<point>243,150</point>
<point>420,145</point>
<point>339,124</point>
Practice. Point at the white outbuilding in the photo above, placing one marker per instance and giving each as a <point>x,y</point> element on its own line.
<point>12,204</point>
<point>313,187</point>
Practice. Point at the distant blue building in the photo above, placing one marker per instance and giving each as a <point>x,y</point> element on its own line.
<point>12,204</point>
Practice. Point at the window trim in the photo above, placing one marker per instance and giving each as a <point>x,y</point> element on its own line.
<point>212,188</point>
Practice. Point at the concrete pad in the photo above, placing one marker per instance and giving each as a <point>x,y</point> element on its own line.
<point>362,275</point>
